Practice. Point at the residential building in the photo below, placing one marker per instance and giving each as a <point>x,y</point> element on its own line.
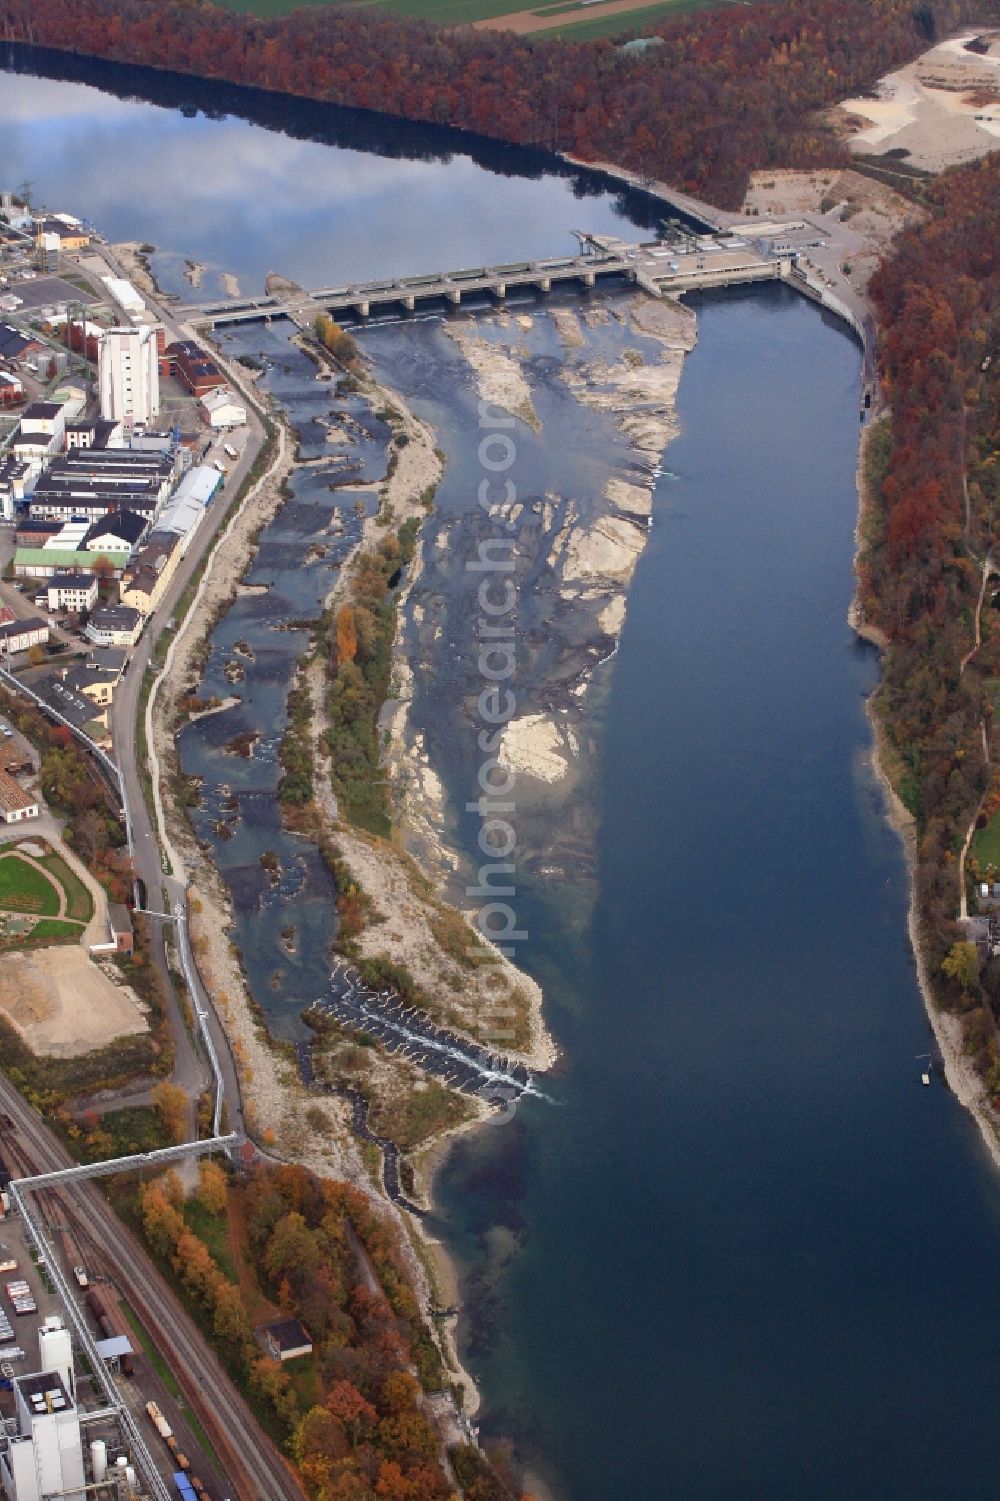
<point>285,1339</point>
<point>129,374</point>
<point>111,661</point>
<point>145,580</point>
<point>116,532</point>
<point>223,409</point>
<point>72,591</point>
<point>114,625</point>
<point>15,804</point>
<point>81,712</point>
<point>96,686</point>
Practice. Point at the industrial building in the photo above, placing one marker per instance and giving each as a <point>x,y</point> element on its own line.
<point>193,367</point>
<point>15,345</point>
<point>125,294</point>
<point>45,1458</point>
<point>41,430</point>
<point>68,231</point>
<point>15,804</point>
<point>223,410</point>
<point>93,432</point>
<point>17,477</point>
<point>21,635</point>
<point>91,482</point>
<point>185,510</point>
<point>129,374</point>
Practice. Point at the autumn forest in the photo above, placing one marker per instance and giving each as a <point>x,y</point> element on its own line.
<point>728,91</point>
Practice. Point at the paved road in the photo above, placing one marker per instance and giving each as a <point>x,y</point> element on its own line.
<point>162,894</point>
<point>257,1470</point>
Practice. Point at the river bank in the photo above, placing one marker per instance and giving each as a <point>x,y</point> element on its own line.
<point>285,1116</point>
<point>960,1072</point>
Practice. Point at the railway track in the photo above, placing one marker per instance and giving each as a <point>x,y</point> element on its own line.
<point>257,1472</point>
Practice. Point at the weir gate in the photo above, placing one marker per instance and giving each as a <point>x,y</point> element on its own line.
<point>687,262</point>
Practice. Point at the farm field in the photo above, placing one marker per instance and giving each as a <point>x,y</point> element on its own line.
<point>566,18</point>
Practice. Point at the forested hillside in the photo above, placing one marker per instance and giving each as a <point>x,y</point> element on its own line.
<point>730,90</point>
<point>927,538</point>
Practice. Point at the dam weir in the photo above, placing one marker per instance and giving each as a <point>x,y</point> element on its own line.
<point>658,267</point>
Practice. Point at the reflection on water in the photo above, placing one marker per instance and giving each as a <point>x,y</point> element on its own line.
<point>320,194</point>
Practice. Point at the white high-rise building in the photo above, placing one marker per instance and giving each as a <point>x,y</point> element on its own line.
<point>55,1350</point>
<point>129,372</point>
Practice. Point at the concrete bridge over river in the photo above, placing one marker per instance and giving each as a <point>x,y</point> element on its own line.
<point>686,262</point>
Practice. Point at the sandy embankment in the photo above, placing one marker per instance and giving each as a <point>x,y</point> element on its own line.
<point>499,379</point>
<point>940,110</point>
<point>132,260</point>
<point>63,1004</point>
<point>596,551</point>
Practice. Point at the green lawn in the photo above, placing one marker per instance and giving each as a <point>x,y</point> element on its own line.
<point>986,844</point>
<point>78,899</point>
<point>151,1350</point>
<point>213,1229</point>
<point>54,930</point>
<point>25,889</point>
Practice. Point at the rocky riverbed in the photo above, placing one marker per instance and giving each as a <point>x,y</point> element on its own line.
<point>590,389</point>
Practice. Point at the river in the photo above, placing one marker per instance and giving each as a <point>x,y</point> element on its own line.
<point>743,1252</point>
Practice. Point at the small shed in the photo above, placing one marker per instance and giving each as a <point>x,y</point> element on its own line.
<point>120,927</point>
<point>285,1340</point>
<point>15,803</point>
